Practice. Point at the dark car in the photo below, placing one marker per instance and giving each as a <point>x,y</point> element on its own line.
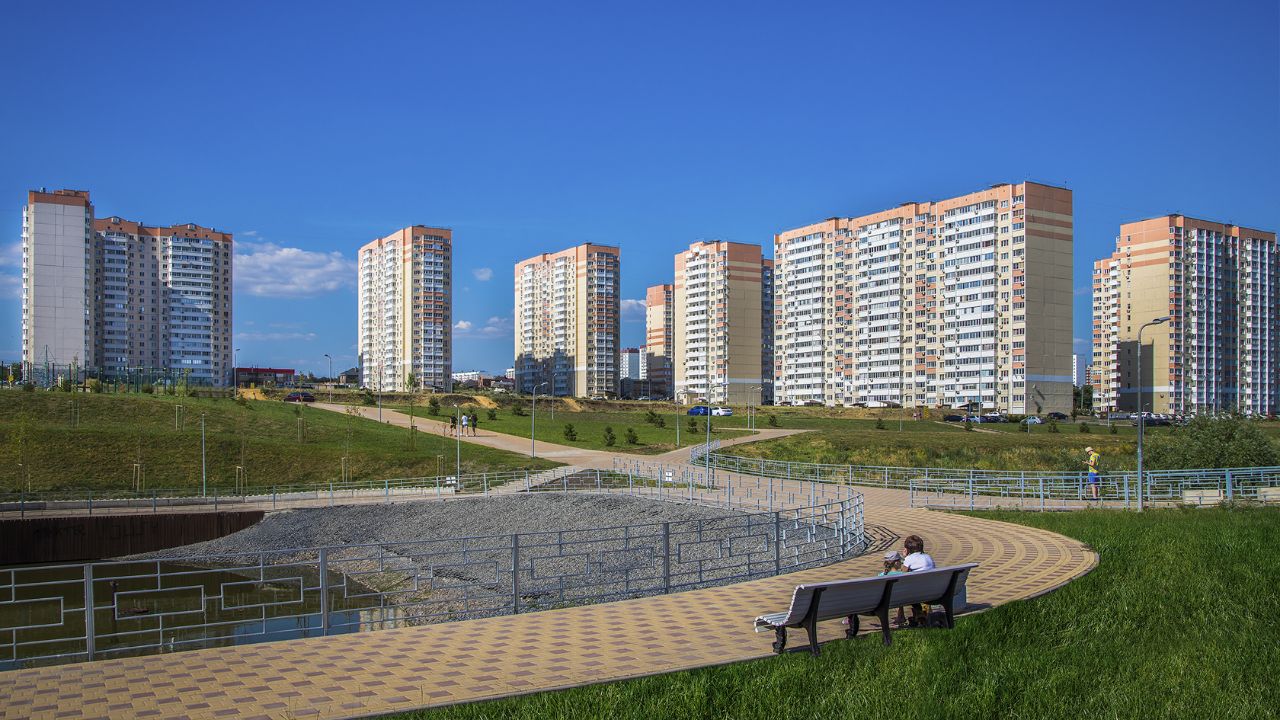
<point>953,418</point>
<point>1057,416</point>
<point>699,410</point>
<point>299,397</point>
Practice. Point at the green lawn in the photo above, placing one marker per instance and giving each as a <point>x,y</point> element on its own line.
<point>1179,620</point>
<point>590,426</point>
<point>38,429</point>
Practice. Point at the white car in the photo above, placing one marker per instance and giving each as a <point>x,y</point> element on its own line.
<point>1032,420</point>
<point>722,411</point>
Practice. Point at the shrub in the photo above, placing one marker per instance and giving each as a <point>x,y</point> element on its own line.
<point>880,423</point>
<point>1212,443</point>
<point>609,437</point>
<point>632,437</point>
<point>652,417</point>
<point>773,420</point>
<point>1053,426</point>
<point>94,385</point>
<point>518,410</point>
<point>693,424</point>
<point>660,422</point>
<point>148,388</point>
<point>492,414</point>
<point>1084,427</point>
<point>433,407</point>
<point>968,425</point>
<point>569,432</point>
<point>1112,428</point>
<point>366,398</point>
<point>28,387</point>
<point>1024,427</point>
<point>241,400</point>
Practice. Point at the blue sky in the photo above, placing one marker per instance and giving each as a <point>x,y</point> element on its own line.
<point>309,129</point>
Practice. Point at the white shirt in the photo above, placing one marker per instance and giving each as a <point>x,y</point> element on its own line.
<point>918,561</point>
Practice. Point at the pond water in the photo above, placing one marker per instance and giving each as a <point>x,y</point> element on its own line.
<point>148,607</point>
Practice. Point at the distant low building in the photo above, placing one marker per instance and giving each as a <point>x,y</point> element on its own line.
<point>350,376</point>
<point>260,377</point>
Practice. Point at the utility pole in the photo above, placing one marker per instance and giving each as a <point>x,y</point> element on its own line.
<point>331,376</point>
<point>533,423</point>
<point>204,471</point>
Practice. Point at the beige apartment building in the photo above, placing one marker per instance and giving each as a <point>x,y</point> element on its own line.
<point>567,322</point>
<point>659,309</point>
<point>1220,350</point>
<point>963,301</point>
<point>118,300</point>
<point>405,333</point>
<point>717,323</point>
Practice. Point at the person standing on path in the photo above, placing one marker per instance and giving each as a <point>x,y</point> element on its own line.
<point>453,424</point>
<point>1092,463</point>
<point>475,424</point>
<point>464,423</point>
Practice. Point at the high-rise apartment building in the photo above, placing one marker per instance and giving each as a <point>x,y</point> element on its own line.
<point>165,300</point>
<point>717,323</point>
<point>567,322</point>
<point>964,301</point>
<point>59,272</point>
<point>1220,350</point>
<point>659,311</point>
<point>766,331</point>
<point>405,332</point>
<point>119,299</point>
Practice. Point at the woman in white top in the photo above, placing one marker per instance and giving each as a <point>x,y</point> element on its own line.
<point>917,560</point>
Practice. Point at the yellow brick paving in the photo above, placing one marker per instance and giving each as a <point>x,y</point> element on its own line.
<point>396,670</point>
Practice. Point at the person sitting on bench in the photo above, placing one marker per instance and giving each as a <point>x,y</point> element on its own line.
<point>917,559</point>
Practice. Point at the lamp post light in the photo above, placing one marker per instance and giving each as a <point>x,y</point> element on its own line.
<point>1141,418</point>
<point>533,423</point>
<point>330,376</point>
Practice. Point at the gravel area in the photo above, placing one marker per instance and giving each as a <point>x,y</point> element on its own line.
<point>418,562</point>
<point>464,517</point>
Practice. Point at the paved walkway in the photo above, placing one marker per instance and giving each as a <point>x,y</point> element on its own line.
<point>395,670</point>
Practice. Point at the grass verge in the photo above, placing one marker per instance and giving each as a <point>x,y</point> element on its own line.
<point>75,441</point>
<point>1179,620</point>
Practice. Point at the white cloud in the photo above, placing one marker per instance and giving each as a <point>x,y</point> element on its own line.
<point>1084,290</point>
<point>268,270</point>
<point>493,327</point>
<point>276,336</point>
<point>632,310</point>
<point>483,274</point>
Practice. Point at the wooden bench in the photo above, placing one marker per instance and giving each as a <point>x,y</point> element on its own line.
<point>815,602</point>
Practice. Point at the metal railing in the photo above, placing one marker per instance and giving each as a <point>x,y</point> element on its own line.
<point>162,605</point>
<point>1029,489</point>
<point>276,497</point>
<point>698,452</point>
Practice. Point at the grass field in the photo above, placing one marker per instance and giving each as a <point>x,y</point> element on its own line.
<point>1178,620</point>
<point>589,426</point>
<point>113,431</point>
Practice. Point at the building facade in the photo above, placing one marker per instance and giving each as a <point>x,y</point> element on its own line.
<point>567,322</point>
<point>118,299</point>
<point>405,331</point>
<point>766,331</point>
<point>964,301</point>
<point>659,302</point>
<point>1220,350</point>
<point>717,323</point>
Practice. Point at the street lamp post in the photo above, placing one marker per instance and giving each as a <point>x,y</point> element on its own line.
<point>204,470</point>
<point>1141,418</point>
<point>533,423</point>
<point>457,430</point>
<point>235,361</point>
<point>330,376</point>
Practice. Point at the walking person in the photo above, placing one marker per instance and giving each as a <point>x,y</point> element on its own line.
<point>1092,463</point>
<point>453,424</point>
<point>475,424</point>
<point>464,424</point>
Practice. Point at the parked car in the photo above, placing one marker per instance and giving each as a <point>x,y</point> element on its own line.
<point>953,418</point>
<point>812,403</point>
<point>994,418</point>
<point>643,397</point>
<point>721,411</point>
<point>699,410</point>
<point>1033,420</point>
<point>1058,416</point>
<point>597,397</point>
<point>299,397</point>
<point>974,418</point>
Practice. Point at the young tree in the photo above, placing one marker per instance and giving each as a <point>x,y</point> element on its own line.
<point>569,432</point>
<point>632,438</point>
<point>609,437</point>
